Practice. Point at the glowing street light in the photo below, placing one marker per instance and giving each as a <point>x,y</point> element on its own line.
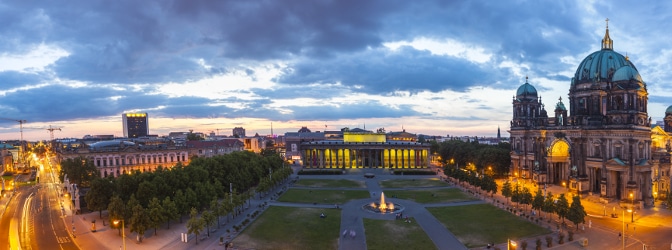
<point>632,218</point>
<point>123,235</point>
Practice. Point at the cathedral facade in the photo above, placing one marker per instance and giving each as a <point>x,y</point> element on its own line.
<point>603,144</point>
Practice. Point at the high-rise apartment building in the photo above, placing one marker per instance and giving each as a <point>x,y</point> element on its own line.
<point>135,124</point>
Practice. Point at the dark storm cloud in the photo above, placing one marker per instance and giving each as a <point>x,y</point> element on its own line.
<point>13,79</point>
<point>157,41</point>
<point>55,103</point>
<point>382,71</point>
<point>323,41</point>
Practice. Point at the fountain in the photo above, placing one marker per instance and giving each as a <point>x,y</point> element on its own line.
<point>383,207</point>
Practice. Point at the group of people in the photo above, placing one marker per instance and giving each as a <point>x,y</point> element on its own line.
<point>400,215</point>
<point>351,232</point>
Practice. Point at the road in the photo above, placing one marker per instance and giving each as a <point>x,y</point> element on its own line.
<point>34,219</point>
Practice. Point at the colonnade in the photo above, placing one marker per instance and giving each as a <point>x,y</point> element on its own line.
<point>366,158</point>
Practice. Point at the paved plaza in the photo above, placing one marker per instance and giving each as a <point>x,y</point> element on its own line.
<point>601,233</point>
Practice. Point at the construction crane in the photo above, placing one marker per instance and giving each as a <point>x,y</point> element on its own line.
<point>51,132</point>
<point>21,122</point>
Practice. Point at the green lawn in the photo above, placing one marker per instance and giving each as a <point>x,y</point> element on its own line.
<point>431,195</point>
<point>476,225</point>
<point>395,234</point>
<point>292,228</point>
<point>322,196</point>
<point>426,182</point>
<point>341,183</point>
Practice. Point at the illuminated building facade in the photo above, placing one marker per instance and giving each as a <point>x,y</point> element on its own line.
<point>603,145</point>
<point>117,157</point>
<point>135,125</point>
<point>364,150</point>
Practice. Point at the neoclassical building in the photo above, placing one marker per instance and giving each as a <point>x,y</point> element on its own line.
<point>365,149</point>
<point>115,157</point>
<point>602,144</point>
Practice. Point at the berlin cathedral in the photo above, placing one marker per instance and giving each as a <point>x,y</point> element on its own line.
<point>604,144</point>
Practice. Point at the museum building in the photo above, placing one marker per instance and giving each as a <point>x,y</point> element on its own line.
<point>366,149</point>
<point>604,144</point>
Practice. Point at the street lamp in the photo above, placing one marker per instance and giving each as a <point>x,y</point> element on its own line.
<point>511,245</point>
<point>632,218</point>
<point>123,235</point>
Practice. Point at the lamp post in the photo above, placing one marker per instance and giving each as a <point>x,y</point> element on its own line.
<point>632,218</point>
<point>123,235</point>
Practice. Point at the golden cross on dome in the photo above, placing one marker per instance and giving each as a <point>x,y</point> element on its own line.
<point>560,99</point>
<point>607,22</point>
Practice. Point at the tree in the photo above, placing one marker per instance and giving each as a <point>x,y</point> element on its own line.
<point>668,200</point>
<point>526,196</point>
<point>562,207</point>
<point>195,225</point>
<point>98,197</point>
<point>576,212</point>
<point>139,221</point>
<point>506,190</point>
<point>80,171</point>
<point>516,194</point>
<point>156,213</point>
<point>208,220</point>
<point>549,204</point>
<point>169,210</point>
<point>217,210</point>
<point>181,203</point>
<point>538,200</point>
<point>116,210</point>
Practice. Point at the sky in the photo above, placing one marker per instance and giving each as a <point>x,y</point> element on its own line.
<point>425,66</point>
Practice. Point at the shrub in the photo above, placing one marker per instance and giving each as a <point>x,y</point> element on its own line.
<point>561,238</point>
<point>538,242</point>
<point>549,241</point>
<point>523,245</point>
<point>571,236</point>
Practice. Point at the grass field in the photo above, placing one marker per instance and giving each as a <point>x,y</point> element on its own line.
<point>292,228</point>
<point>395,234</point>
<point>340,183</point>
<point>431,182</point>
<point>322,196</point>
<point>431,195</point>
<point>476,225</point>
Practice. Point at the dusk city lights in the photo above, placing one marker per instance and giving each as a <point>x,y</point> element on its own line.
<point>335,125</point>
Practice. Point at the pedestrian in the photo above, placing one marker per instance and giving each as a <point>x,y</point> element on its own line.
<point>619,235</point>
<point>345,232</point>
<point>590,223</point>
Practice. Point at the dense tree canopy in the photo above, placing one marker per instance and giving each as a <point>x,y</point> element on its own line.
<point>148,199</point>
<point>483,157</point>
<point>80,171</point>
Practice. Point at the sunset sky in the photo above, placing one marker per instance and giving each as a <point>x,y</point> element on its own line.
<point>430,67</point>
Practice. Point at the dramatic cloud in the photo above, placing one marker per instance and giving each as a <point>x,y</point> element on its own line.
<point>430,64</point>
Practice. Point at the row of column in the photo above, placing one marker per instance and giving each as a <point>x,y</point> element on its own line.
<point>371,158</point>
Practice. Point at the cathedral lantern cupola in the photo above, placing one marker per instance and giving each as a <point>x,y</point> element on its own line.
<point>668,119</point>
<point>528,109</point>
<point>560,113</point>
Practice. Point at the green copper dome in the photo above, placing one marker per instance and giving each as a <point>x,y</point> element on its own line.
<point>668,110</point>
<point>602,65</point>
<point>526,91</point>
<point>626,73</point>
